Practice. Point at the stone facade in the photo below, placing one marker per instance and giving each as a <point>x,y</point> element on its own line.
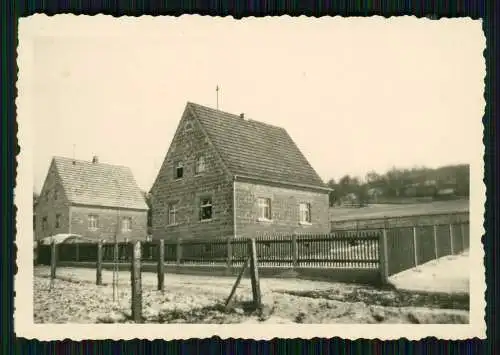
<point>185,194</point>
<point>284,204</point>
<point>51,203</point>
<point>107,223</point>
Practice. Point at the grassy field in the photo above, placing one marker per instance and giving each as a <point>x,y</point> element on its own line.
<point>399,215</point>
<point>199,299</point>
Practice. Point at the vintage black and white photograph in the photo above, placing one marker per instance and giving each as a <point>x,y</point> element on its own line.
<point>291,177</point>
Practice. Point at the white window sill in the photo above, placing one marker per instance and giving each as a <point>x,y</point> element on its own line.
<point>264,220</point>
<point>173,224</point>
<point>305,223</point>
<point>205,220</point>
<point>178,179</point>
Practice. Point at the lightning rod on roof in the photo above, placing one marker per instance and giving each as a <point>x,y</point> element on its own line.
<point>74,145</point>
<point>217,93</point>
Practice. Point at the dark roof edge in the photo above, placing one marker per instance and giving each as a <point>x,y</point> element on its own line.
<point>76,204</point>
<point>284,183</point>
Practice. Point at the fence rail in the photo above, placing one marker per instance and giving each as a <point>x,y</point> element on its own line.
<point>405,248</point>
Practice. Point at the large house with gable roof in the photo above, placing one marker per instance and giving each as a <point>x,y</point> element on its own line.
<point>91,199</point>
<point>225,175</point>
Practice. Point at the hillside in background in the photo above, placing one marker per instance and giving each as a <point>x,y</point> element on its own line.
<point>419,184</point>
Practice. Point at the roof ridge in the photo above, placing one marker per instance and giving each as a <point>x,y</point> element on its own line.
<point>56,157</point>
<point>236,116</point>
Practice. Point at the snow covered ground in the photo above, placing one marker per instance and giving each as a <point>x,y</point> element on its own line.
<point>199,299</point>
<point>449,274</point>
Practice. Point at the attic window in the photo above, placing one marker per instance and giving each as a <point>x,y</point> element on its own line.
<point>200,165</point>
<point>56,194</point>
<point>179,170</point>
<point>188,126</point>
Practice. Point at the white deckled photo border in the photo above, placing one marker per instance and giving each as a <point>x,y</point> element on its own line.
<point>64,25</point>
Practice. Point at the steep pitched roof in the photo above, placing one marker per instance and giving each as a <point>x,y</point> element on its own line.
<point>99,184</point>
<point>255,149</point>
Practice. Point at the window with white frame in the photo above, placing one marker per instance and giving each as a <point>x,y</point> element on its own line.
<point>126,224</point>
<point>178,170</point>
<point>305,213</point>
<point>264,208</point>
<point>172,214</point>
<point>58,221</point>
<point>93,222</point>
<point>205,208</point>
<point>200,165</point>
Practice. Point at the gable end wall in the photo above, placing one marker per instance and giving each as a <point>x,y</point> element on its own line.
<point>187,146</point>
<point>51,207</point>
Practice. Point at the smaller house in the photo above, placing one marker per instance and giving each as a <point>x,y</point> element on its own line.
<point>90,199</point>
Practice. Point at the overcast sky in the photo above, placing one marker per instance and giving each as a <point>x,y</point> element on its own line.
<point>354,94</point>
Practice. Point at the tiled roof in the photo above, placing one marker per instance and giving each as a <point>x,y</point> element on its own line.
<point>255,149</point>
<point>99,184</point>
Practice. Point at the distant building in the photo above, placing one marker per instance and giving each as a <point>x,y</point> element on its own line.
<point>225,175</point>
<point>90,199</point>
<point>446,191</point>
<point>374,194</point>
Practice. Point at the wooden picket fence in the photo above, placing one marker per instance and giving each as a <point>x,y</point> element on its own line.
<point>390,250</point>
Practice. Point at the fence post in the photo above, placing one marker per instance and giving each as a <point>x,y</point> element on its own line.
<point>462,232</point>
<point>53,261</point>
<point>77,252</point>
<point>383,257</point>
<point>135,274</point>
<point>179,251</point>
<point>254,274</point>
<point>435,242</point>
<point>451,240</point>
<point>116,253</point>
<point>161,264</point>
<point>415,252</point>
<point>36,253</point>
<point>295,251</point>
<point>98,268</point>
<point>229,262</point>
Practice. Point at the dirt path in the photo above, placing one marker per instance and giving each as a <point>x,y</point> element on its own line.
<point>199,299</point>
